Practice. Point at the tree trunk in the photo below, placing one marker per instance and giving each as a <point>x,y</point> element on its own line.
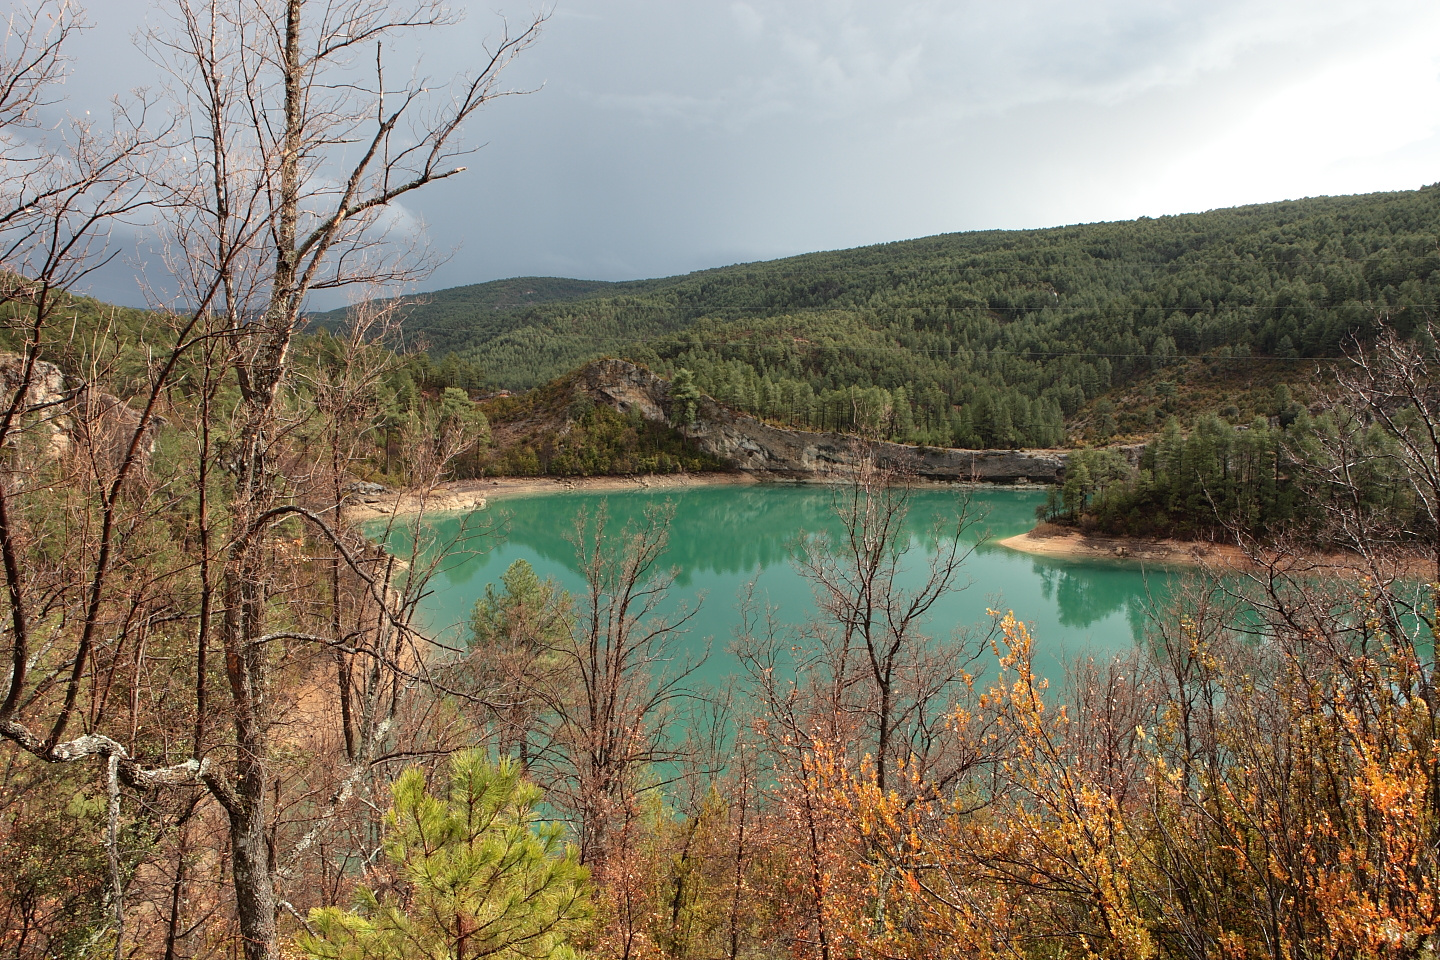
<point>254,882</point>
<point>246,668</point>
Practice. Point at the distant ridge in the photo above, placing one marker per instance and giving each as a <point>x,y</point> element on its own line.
<point>518,292</point>
<point>514,293</point>
<point>996,337</point>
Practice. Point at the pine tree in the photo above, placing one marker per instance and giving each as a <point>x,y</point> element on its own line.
<point>685,397</point>
<point>485,879</point>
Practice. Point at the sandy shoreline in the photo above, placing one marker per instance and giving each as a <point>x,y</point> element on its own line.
<point>462,496</point>
<point>1061,543</point>
<point>1074,545</point>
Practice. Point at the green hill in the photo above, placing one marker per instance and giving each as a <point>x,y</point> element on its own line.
<point>994,338</point>
<point>458,317</point>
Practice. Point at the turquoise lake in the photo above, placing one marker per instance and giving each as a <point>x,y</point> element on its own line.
<point>724,537</point>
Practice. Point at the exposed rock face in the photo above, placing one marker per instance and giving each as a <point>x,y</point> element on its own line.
<point>103,425</point>
<point>756,447</point>
<point>47,382</point>
<point>73,418</point>
<point>44,403</point>
<point>625,387</point>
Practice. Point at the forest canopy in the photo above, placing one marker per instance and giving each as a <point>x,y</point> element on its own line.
<point>996,338</point>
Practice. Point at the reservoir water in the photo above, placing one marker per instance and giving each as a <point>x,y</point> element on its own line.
<point>724,537</point>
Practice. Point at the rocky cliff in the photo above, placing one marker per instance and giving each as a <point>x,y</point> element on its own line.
<point>69,417</point>
<point>757,447</point>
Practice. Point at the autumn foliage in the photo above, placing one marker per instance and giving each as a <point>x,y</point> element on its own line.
<point>1228,798</point>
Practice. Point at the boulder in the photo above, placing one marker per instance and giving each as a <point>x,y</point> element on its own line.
<point>44,404</point>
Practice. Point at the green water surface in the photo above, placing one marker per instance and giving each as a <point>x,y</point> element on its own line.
<point>724,537</point>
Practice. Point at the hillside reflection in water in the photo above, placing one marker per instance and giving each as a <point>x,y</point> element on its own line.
<point>722,537</point>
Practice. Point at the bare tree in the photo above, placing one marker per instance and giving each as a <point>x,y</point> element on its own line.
<point>1341,678</point>
<point>293,151</point>
<point>864,684</point>
<point>270,116</point>
<point>620,686</point>
<point>1373,468</point>
<point>867,667</point>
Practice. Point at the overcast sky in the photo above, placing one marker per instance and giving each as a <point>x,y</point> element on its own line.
<point>672,135</point>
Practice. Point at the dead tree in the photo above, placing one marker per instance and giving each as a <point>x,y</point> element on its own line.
<point>620,685</point>
<point>865,684</point>
<point>262,76</point>
<point>295,142</point>
<point>868,667</point>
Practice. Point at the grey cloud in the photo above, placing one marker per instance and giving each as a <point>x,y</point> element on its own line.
<point>668,136</point>
<point>843,58</point>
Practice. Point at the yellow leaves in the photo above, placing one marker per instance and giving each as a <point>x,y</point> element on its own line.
<point>1268,808</point>
<point>1377,891</point>
<point>1049,848</point>
<point>1232,946</point>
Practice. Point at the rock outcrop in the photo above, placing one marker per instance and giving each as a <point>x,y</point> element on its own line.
<point>626,386</point>
<point>757,447</point>
<point>71,418</point>
<point>45,401</point>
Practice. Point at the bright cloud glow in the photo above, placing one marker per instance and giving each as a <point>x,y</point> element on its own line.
<point>674,136</point>
<point>1350,126</point>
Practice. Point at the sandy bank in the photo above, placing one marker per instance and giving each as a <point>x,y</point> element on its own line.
<point>1049,540</point>
<point>462,496</point>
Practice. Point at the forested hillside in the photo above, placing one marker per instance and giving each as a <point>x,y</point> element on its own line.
<point>994,338</point>
<point>230,728</point>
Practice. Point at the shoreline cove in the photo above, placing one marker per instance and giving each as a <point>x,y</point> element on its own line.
<point>462,496</point>
<point>1044,540</point>
<point>1074,545</point>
